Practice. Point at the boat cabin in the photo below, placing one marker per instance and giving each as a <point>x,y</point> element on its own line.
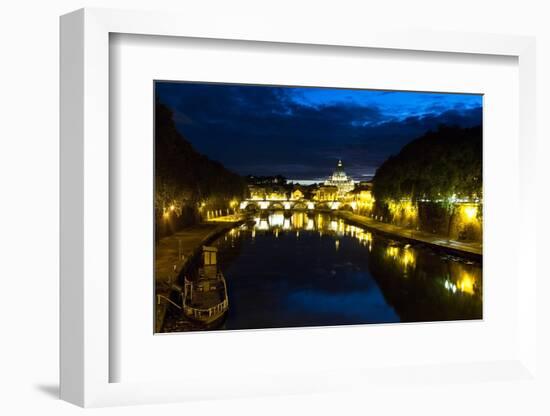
<point>209,261</point>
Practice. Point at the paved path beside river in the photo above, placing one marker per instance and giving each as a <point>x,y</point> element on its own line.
<point>439,241</point>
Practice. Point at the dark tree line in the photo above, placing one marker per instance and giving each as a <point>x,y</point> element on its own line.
<point>184,178</point>
<point>435,166</point>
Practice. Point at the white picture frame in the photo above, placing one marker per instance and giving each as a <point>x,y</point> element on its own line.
<point>85,165</point>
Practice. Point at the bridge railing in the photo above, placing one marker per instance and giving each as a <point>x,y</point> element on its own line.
<point>285,204</point>
<point>202,313</point>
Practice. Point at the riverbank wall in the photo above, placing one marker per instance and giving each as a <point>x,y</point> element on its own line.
<point>461,221</point>
<point>473,250</point>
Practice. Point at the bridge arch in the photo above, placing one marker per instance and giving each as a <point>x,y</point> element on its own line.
<point>346,207</point>
<point>251,206</point>
<point>277,205</point>
<point>324,205</point>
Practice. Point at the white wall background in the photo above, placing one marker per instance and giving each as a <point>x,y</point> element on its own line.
<point>29,207</point>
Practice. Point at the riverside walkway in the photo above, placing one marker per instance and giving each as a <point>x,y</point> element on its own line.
<point>175,252</point>
<point>458,247</point>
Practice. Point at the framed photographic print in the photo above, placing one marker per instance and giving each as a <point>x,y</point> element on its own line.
<point>265,227</point>
<point>271,212</point>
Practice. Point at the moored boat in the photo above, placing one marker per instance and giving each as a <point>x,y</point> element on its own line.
<point>205,299</point>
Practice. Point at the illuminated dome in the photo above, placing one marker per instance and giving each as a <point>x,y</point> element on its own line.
<point>340,180</point>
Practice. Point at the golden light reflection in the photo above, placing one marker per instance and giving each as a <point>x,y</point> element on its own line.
<point>278,222</point>
<point>286,224</point>
<point>403,256</point>
<point>392,252</point>
<point>459,277</point>
<point>463,278</point>
<point>407,258</point>
<point>262,225</point>
<point>298,219</point>
<point>466,283</point>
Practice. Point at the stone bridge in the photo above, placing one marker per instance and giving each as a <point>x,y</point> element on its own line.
<point>288,205</point>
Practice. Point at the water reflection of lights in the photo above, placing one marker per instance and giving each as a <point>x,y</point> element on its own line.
<point>298,220</point>
<point>341,226</point>
<point>466,283</point>
<point>407,258</point>
<point>462,279</point>
<point>318,222</point>
<point>450,286</point>
<point>286,224</point>
<point>404,256</point>
<point>276,220</point>
<point>262,225</point>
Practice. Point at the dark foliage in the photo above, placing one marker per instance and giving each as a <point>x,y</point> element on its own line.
<point>186,177</point>
<point>434,166</point>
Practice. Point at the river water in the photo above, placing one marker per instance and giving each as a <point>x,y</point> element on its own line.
<point>314,269</point>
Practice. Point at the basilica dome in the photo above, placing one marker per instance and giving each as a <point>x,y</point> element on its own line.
<point>340,180</point>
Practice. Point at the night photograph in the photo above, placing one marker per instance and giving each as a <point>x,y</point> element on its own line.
<point>287,206</point>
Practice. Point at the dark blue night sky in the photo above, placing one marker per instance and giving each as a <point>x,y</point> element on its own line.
<point>300,133</point>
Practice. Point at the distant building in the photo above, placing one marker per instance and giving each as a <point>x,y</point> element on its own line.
<point>340,180</point>
<point>257,192</point>
<point>325,193</point>
<point>267,193</point>
<point>296,194</point>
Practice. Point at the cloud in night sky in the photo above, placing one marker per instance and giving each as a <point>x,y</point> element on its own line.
<point>301,132</point>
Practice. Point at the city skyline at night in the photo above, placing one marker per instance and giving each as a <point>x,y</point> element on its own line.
<point>301,132</point>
